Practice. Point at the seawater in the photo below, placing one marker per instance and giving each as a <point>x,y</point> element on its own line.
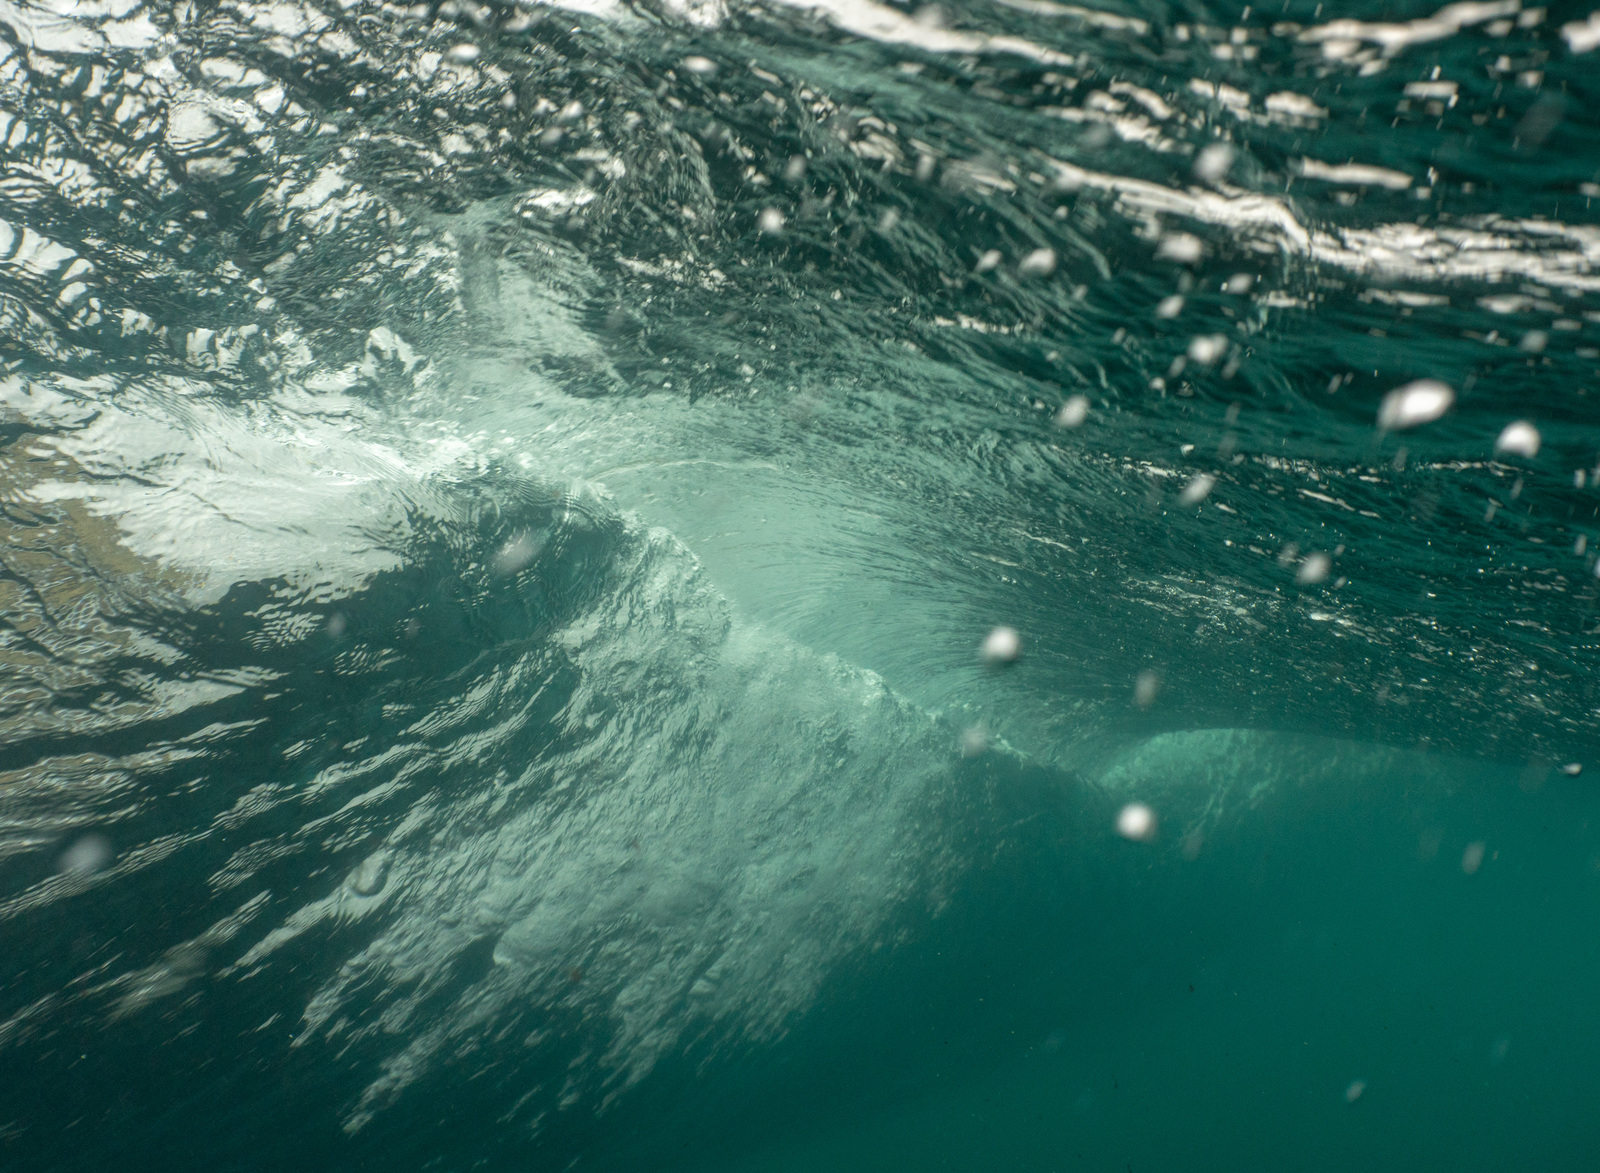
<point>503,507</point>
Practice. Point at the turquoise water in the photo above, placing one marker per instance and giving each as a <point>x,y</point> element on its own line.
<point>778,586</point>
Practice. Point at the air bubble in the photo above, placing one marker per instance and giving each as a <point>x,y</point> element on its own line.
<point>87,855</point>
<point>516,554</point>
<point>1520,438</point>
<point>1214,162</point>
<point>1197,490</point>
<point>370,876</point>
<point>1418,402</point>
<point>1073,412</point>
<point>1001,646</point>
<point>1041,262</point>
<point>1136,822</point>
<point>1314,569</point>
<point>1208,348</point>
<point>1181,247</point>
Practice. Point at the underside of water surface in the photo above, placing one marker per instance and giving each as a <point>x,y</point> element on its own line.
<point>799,584</point>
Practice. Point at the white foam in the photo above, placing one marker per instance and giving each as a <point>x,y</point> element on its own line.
<point>890,26</point>
<point>1392,37</point>
<point>1361,174</point>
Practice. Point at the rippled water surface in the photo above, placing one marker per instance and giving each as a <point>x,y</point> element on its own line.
<point>799,584</point>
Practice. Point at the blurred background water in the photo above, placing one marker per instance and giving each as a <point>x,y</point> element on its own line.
<point>802,583</point>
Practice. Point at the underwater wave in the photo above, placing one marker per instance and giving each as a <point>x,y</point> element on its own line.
<point>502,504</point>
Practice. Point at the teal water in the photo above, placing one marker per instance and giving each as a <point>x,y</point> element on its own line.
<point>504,508</point>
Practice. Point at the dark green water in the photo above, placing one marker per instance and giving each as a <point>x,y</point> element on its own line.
<point>502,507</point>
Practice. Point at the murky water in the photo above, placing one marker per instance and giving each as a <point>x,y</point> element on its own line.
<point>798,585</point>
